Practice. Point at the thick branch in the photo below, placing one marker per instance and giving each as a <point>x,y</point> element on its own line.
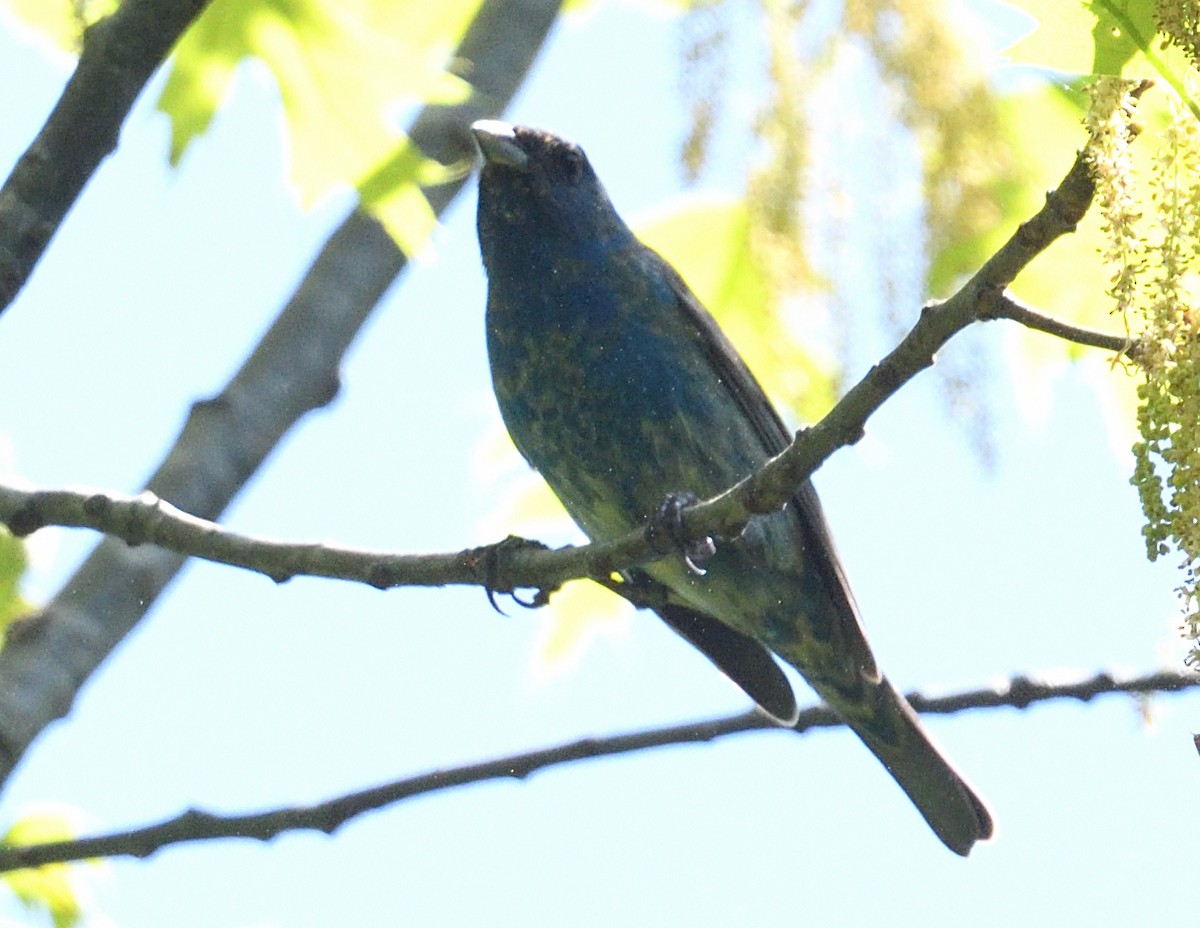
<point>225,439</point>
<point>330,815</point>
<point>119,54</point>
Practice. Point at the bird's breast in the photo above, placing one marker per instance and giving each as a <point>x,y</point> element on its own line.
<point>607,394</point>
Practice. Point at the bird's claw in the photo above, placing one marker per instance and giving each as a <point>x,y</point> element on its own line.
<point>488,558</point>
<point>667,523</point>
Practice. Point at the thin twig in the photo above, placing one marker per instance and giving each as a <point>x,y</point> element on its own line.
<point>1004,305</point>
<point>328,816</point>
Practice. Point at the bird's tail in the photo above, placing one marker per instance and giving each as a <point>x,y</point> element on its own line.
<point>887,724</point>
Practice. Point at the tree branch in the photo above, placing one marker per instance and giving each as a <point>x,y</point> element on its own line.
<point>1003,305</point>
<point>120,53</point>
<point>227,438</point>
<point>146,519</point>
<point>328,816</point>
<point>506,567</point>
<point>773,485</point>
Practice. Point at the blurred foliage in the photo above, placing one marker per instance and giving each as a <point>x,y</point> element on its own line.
<point>934,93</point>
<point>710,241</point>
<point>1113,37</point>
<point>934,60</point>
<point>1034,361</point>
<point>13,561</point>
<point>704,72</point>
<point>50,888</point>
<point>344,69</point>
<point>1138,245</point>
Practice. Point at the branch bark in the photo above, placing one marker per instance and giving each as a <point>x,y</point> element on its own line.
<point>328,816</point>
<point>120,53</point>
<point>1006,306</point>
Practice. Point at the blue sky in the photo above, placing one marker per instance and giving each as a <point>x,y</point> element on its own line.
<point>237,694</point>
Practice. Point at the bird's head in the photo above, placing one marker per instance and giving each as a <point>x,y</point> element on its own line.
<point>536,186</point>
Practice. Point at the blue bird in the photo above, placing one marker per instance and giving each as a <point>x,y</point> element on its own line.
<point>618,387</point>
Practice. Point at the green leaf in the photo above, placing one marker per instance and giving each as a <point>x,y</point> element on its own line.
<point>1095,37</point>
<point>45,888</point>
<point>580,614</point>
<point>1117,37</point>
<point>13,561</point>
<point>1123,29</point>
<point>344,69</point>
<point>1035,361</point>
<point>392,192</point>
<point>1062,39</point>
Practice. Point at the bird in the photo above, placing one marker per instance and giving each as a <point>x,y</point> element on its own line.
<point>618,387</point>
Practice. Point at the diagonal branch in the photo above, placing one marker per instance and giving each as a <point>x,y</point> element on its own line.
<point>771,487</point>
<point>293,370</point>
<point>120,53</point>
<point>328,816</point>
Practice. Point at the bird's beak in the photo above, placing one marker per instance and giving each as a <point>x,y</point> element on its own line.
<point>498,143</point>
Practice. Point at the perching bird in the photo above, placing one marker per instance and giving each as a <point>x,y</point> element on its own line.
<point>619,389</point>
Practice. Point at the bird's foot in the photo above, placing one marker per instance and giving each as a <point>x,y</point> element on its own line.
<point>665,532</point>
<point>490,561</point>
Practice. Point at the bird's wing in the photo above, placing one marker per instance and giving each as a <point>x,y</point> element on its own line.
<point>810,518</point>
